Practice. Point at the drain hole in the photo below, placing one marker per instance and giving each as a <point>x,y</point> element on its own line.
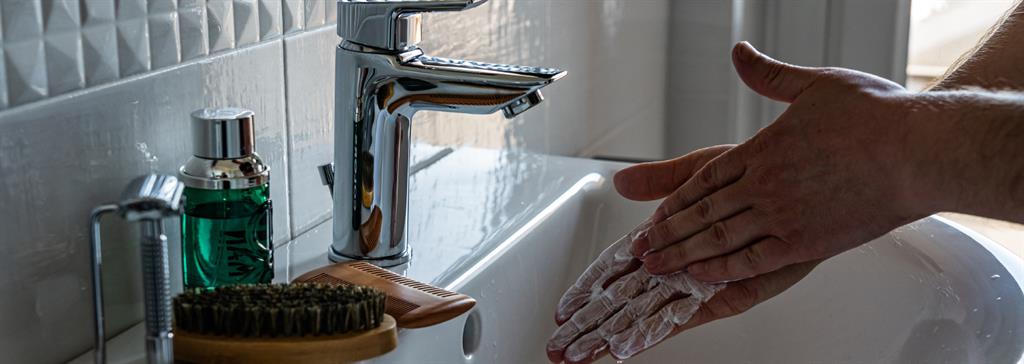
<point>471,334</point>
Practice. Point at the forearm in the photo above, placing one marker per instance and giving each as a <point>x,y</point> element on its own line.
<point>996,62</point>
<point>965,153</point>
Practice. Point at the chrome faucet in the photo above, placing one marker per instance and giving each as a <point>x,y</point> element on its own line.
<point>382,79</point>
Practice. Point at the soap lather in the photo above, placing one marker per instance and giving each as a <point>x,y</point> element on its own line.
<point>227,235</point>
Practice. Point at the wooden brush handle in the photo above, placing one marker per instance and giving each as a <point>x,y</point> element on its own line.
<point>346,348</point>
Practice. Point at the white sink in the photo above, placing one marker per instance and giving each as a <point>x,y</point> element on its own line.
<point>514,230</point>
<point>929,292</point>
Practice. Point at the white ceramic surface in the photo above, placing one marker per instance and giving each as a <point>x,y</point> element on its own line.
<point>513,230</point>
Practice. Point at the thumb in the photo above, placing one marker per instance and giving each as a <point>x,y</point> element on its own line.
<point>773,79</point>
<point>651,181</point>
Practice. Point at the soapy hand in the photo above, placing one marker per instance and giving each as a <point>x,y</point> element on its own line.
<point>616,308</point>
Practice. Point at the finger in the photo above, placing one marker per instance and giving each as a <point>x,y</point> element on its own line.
<point>721,238</point>
<point>596,311</point>
<point>733,299</point>
<point>651,181</point>
<point>666,290</point>
<point>613,262</point>
<point>764,256</point>
<point>718,173</point>
<point>773,79</point>
<point>738,297</point>
<point>658,319</point>
<point>697,217</point>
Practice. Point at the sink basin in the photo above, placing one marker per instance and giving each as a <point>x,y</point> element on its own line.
<point>928,292</point>
<point>514,230</point>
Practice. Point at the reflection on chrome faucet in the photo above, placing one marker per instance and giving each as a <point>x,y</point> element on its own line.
<point>382,80</point>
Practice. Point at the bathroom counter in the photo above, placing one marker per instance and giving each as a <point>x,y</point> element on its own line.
<point>464,203</point>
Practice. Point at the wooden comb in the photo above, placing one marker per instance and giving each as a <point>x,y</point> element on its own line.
<point>413,304</point>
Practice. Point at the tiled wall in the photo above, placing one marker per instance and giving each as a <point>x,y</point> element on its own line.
<point>70,142</point>
<point>51,47</point>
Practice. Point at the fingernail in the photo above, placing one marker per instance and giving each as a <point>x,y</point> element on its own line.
<point>745,52</point>
<point>652,261</point>
<point>641,245</point>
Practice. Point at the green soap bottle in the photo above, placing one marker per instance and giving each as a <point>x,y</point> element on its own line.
<point>227,225</point>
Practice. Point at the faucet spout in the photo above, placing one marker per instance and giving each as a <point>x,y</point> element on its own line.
<point>382,80</point>
<point>435,83</point>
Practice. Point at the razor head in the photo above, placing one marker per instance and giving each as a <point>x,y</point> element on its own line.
<point>152,197</point>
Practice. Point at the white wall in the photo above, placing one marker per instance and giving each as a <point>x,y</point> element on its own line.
<point>95,92</point>
<point>707,103</point>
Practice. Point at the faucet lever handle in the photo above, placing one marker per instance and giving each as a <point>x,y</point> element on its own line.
<point>390,24</point>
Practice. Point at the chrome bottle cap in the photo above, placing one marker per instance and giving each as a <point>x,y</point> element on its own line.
<point>224,151</point>
<point>224,133</point>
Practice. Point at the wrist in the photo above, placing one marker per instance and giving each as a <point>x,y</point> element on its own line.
<point>963,152</point>
<point>925,147</point>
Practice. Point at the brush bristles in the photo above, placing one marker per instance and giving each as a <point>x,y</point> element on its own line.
<point>279,310</point>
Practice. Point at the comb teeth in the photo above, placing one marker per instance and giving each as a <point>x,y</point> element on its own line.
<point>396,307</point>
<point>390,276</point>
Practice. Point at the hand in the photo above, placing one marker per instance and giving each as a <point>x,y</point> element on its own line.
<point>826,176</point>
<point>617,308</point>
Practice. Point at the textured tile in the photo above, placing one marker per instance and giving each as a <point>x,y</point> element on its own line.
<point>24,52</point>
<point>192,29</point>
<point>270,19</point>
<point>132,37</point>
<point>331,11</point>
<point>164,36</point>
<point>61,15</point>
<point>64,65</point>
<point>25,65</point>
<point>22,20</point>
<point>310,95</point>
<point>220,25</point>
<point>292,19</point>
<point>63,46</point>
<point>246,22</point>
<point>99,42</point>
<point>314,13</point>
<point>109,136</point>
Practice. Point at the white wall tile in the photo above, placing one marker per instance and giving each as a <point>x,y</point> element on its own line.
<point>292,16</point>
<point>99,42</point>
<point>22,20</point>
<point>192,26</point>
<point>330,11</point>
<point>314,13</point>
<point>220,25</point>
<point>246,22</point>
<point>164,35</point>
<point>133,55</point>
<point>25,65</point>
<point>107,137</point>
<point>270,18</point>
<point>63,46</point>
<point>310,77</point>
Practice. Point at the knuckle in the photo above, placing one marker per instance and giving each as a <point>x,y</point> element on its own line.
<point>741,299</point>
<point>704,210</point>
<point>679,255</point>
<point>752,259</point>
<point>720,236</point>
<point>708,176</point>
